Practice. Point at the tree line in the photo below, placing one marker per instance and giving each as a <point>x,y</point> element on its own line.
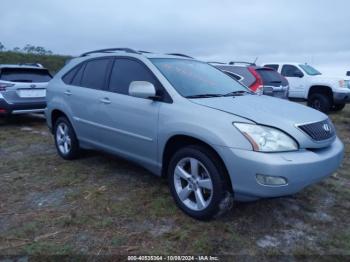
<point>28,49</point>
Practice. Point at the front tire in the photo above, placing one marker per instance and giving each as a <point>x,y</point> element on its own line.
<point>320,102</point>
<point>66,142</point>
<point>197,183</point>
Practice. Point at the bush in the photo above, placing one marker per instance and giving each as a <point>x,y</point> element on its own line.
<point>52,62</point>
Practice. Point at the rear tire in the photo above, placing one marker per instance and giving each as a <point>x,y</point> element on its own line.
<point>338,107</point>
<point>66,142</point>
<point>320,102</point>
<point>197,183</point>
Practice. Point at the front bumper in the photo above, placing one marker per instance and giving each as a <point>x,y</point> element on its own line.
<point>341,98</point>
<point>21,108</point>
<point>300,168</point>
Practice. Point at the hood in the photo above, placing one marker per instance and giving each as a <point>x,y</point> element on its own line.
<point>270,111</point>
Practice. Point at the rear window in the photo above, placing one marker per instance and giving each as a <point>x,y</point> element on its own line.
<point>271,76</point>
<point>273,66</point>
<point>26,75</point>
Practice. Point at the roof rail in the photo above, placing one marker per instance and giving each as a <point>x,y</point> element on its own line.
<point>177,54</point>
<point>144,52</point>
<point>107,50</point>
<point>241,62</point>
<point>221,63</point>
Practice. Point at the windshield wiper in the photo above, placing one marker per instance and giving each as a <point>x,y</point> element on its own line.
<point>238,93</point>
<point>204,96</point>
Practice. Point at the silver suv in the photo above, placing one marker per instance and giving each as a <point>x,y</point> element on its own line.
<point>23,88</point>
<point>212,138</point>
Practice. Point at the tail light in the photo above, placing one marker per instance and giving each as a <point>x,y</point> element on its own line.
<point>3,86</point>
<point>257,86</point>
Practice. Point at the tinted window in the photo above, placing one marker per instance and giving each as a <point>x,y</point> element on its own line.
<point>125,71</point>
<point>270,76</point>
<point>274,67</point>
<point>234,76</point>
<point>290,71</point>
<point>94,75</point>
<point>76,81</point>
<point>68,77</point>
<point>27,75</point>
<point>193,78</point>
<point>247,78</point>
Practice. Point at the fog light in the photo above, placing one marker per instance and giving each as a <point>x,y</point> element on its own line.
<point>271,180</point>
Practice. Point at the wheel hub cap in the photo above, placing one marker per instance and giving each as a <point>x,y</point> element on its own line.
<point>63,138</point>
<point>193,184</point>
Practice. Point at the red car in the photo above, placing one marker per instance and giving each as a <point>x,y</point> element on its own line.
<point>259,79</point>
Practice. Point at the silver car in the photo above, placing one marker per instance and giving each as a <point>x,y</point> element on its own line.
<point>23,88</point>
<point>183,119</point>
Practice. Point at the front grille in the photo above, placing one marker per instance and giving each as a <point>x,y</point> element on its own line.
<point>320,130</point>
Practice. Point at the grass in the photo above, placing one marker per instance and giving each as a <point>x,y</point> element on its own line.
<point>100,204</point>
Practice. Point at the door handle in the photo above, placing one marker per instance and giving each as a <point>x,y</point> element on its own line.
<point>68,93</point>
<point>105,100</point>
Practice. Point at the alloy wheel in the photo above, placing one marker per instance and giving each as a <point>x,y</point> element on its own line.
<point>63,139</point>
<point>193,184</point>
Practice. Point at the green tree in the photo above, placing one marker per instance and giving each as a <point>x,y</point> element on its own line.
<point>2,47</point>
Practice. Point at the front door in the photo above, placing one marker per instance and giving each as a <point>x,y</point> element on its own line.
<point>296,80</point>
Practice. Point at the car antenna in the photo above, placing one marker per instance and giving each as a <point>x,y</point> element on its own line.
<point>256,59</point>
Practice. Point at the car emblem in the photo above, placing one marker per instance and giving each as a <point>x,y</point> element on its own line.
<point>326,127</point>
<point>32,86</point>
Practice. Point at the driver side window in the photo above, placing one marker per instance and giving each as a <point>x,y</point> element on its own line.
<point>291,71</point>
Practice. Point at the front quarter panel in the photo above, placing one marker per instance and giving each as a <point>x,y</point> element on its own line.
<point>211,126</point>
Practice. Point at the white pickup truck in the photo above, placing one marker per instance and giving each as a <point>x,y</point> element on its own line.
<point>321,92</point>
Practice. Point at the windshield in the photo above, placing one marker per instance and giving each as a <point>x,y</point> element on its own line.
<point>193,78</point>
<point>310,70</point>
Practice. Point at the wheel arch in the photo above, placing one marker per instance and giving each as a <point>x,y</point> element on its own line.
<point>55,114</point>
<point>176,142</point>
<point>320,89</point>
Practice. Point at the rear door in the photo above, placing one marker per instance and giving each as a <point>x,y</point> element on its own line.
<point>274,83</point>
<point>87,85</point>
<point>25,85</point>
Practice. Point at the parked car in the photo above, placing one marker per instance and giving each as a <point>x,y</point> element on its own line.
<point>257,78</point>
<point>186,120</point>
<point>23,88</point>
<point>321,92</point>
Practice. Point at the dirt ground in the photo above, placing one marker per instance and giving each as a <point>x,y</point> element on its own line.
<point>102,205</point>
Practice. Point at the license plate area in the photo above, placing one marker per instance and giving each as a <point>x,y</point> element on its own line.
<point>31,93</point>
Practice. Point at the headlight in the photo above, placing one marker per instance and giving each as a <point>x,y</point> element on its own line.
<point>267,139</point>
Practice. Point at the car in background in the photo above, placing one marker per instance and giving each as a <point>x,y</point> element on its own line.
<point>321,92</point>
<point>259,79</point>
<point>187,121</point>
<point>23,88</point>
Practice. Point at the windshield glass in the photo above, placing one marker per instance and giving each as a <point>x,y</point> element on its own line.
<point>194,78</point>
<point>310,70</point>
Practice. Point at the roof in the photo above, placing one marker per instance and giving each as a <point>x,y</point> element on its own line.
<point>280,63</point>
<point>29,66</point>
<point>131,52</point>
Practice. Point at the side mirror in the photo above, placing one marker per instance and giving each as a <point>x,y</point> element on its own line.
<point>142,89</point>
<point>298,74</point>
<point>348,73</point>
